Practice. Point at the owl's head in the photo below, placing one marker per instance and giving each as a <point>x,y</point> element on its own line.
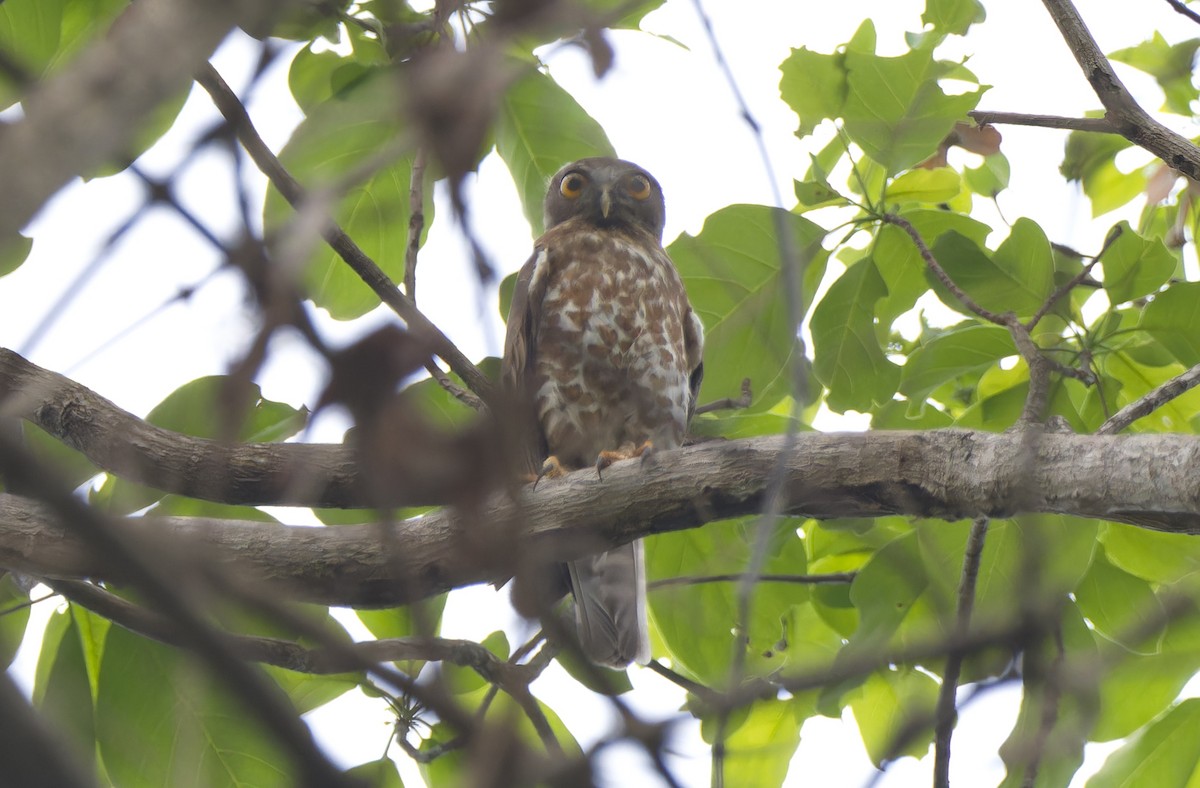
<point>606,193</point>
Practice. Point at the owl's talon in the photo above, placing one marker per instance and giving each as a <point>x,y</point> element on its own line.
<point>607,458</point>
<point>551,469</point>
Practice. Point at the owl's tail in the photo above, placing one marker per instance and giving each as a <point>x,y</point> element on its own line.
<point>610,606</point>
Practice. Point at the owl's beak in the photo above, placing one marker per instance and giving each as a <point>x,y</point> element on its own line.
<point>605,203</point>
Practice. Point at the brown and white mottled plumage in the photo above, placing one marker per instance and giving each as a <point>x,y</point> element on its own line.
<point>603,343</point>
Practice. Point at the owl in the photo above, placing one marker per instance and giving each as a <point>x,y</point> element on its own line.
<point>604,348</point>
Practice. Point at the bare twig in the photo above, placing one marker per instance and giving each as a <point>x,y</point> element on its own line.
<point>416,223</point>
<point>1133,122</point>
<point>1076,280</point>
<point>1183,9</point>
<point>832,578</point>
<point>729,403</point>
<point>947,696</point>
<point>1099,125</point>
<point>1153,400</point>
<point>235,114</point>
<point>936,268</point>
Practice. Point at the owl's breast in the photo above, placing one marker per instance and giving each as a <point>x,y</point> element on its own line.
<point>611,367</point>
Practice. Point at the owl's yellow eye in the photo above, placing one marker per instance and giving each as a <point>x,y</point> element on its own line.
<point>572,185</point>
<point>638,187</point>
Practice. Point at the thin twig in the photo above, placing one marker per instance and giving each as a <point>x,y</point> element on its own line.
<point>946,715</point>
<point>831,578</point>
<point>1151,401</point>
<point>1181,8</point>
<point>1098,125</point>
<point>936,268</point>
<point>729,403</point>
<point>1070,285</point>
<point>416,223</point>
<point>291,190</point>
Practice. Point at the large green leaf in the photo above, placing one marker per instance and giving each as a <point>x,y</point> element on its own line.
<point>30,32</point>
<point>814,85</point>
<point>1017,277</point>
<point>339,136</point>
<point>847,357</point>
<point>957,352</point>
<point>1114,600</point>
<point>14,616</point>
<point>1172,65</point>
<point>695,622</point>
<point>1165,755</point>
<point>62,691</point>
<point>737,284</point>
<point>895,110</point>
<point>1153,555</point>
<point>1091,160</point>
<point>1173,318</point>
<point>159,721</point>
<point>900,263</point>
<point>759,750</point>
<point>541,127</point>
<point>887,706</point>
<point>953,16</point>
<point>13,253</point>
<point>1135,266</point>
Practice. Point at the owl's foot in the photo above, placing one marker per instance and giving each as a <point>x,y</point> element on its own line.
<point>607,458</point>
<point>551,469</point>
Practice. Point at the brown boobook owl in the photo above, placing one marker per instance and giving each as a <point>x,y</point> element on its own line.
<point>604,345</point>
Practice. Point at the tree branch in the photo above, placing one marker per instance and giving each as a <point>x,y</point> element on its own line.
<point>945,474</point>
<point>1153,400</point>
<point>1126,116</point>
<point>1099,125</point>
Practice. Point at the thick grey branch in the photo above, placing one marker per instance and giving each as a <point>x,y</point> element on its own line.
<point>950,474</point>
<point>261,473</point>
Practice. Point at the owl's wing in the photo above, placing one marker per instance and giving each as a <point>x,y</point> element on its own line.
<point>520,349</point>
<point>693,345</point>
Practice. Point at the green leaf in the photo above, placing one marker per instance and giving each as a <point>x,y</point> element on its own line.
<point>161,722</point>
<point>382,773</point>
<point>1114,600</point>
<point>900,264</point>
<point>1135,266</point>
<point>956,352</point>
<point>814,85</point>
<point>737,285</point>
<point>990,178</point>
<point>540,128</point>
<point>847,357</point>
<point>14,616</point>
<point>1172,65</point>
<point>760,750</point>
<point>1054,721</point>
<point>895,110</point>
<point>1091,160</point>
<point>62,692</point>
<point>1018,277</point>
<point>1173,319</point>
<point>1166,754</point>
<point>695,623</point>
<point>30,32</point>
<point>814,194</point>
<point>199,408</point>
<point>1139,686</point>
<point>887,707</point>
<point>339,137</point>
<point>15,252</point>
<point>925,186</point>
<point>1153,555</point>
<point>953,16</point>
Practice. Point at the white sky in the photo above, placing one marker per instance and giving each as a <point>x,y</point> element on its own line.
<point>665,107</point>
